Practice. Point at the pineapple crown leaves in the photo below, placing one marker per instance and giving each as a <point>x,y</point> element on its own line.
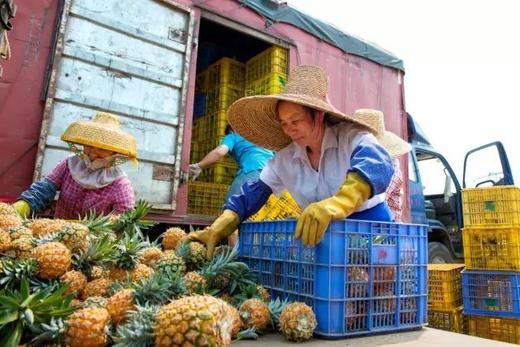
<point>100,252</point>
<point>225,264</point>
<point>16,270</point>
<point>183,249</point>
<point>22,309</point>
<point>128,250</point>
<point>247,334</point>
<point>247,281</point>
<point>47,332</point>
<point>275,309</point>
<point>51,237</point>
<point>138,329</point>
<point>132,221</point>
<point>97,224</point>
<point>38,284</point>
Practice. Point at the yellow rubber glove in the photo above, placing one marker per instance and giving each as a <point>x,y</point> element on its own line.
<point>316,217</point>
<point>221,228</point>
<point>22,208</point>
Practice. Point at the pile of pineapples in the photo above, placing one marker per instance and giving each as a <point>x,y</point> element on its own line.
<point>99,281</point>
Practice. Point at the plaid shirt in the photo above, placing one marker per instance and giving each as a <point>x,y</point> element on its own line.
<point>394,193</point>
<point>74,200</point>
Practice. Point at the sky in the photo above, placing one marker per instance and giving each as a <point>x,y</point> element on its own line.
<point>462,61</point>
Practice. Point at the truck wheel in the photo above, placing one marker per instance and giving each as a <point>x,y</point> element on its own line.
<point>438,253</point>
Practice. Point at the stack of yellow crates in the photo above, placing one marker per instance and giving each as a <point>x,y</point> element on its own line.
<point>445,297</point>
<point>221,84</point>
<point>217,87</point>
<point>491,280</point>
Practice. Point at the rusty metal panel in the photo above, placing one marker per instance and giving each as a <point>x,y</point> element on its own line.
<point>130,58</point>
<point>20,87</point>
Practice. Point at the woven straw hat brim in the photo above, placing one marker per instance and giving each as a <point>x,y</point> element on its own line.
<point>255,118</point>
<point>395,145</point>
<point>96,135</point>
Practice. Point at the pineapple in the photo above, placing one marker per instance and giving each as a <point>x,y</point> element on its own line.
<point>88,327</point>
<point>170,262</point>
<point>263,293</point>
<point>7,209</point>
<point>255,314</point>
<point>141,271</point>
<point>5,241</point>
<point>118,274</point>
<point>20,231</point>
<point>97,287</point>
<point>46,226</point>
<point>23,246</point>
<point>150,256</point>
<point>76,303</point>
<point>8,221</point>
<point>97,272</point>
<point>193,253</point>
<point>297,322</point>
<point>119,304</point>
<point>171,237</point>
<point>236,325</point>
<point>75,281</point>
<point>53,259</point>
<point>95,301</point>
<point>74,236</point>
<point>193,321</point>
<point>195,283</point>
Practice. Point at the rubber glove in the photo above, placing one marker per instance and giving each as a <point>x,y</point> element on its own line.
<point>22,208</point>
<point>316,217</point>
<point>221,228</point>
<point>195,171</point>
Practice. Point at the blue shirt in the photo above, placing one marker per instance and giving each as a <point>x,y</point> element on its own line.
<point>249,157</point>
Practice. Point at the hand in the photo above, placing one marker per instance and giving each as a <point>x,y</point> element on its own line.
<point>22,208</point>
<point>194,171</point>
<point>221,228</point>
<point>317,216</point>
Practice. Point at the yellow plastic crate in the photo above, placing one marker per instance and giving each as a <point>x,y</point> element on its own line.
<point>206,198</point>
<point>284,207</point>
<point>211,126</point>
<point>491,248</point>
<point>452,320</point>
<point>222,172</point>
<point>494,328</point>
<point>200,148</point>
<point>226,71</point>
<point>498,206</point>
<point>272,60</point>
<point>272,83</point>
<point>220,98</point>
<point>444,286</point>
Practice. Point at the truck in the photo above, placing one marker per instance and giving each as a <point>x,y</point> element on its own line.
<point>435,191</point>
<point>139,60</point>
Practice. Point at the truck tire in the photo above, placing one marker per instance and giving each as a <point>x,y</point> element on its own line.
<point>438,253</point>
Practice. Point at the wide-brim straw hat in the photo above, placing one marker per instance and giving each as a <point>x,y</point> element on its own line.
<point>256,117</point>
<point>103,131</point>
<point>375,121</point>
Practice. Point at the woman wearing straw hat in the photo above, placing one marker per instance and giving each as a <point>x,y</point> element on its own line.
<point>91,179</point>
<point>329,162</point>
<point>396,146</point>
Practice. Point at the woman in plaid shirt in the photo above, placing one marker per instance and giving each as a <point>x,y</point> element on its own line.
<point>91,179</point>
<point>396,146</point>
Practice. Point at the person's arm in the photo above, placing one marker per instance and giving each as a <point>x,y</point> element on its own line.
<point>214,156</point>
<point>238,208</point>
<point>41,193</point>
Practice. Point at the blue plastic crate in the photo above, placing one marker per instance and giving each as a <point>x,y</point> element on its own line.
<point>491,293</point>
<point>362,278</point>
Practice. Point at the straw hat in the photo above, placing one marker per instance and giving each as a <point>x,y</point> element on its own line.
<point>375,121</point>
<point>102,132</point>
<point>256,118</point>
